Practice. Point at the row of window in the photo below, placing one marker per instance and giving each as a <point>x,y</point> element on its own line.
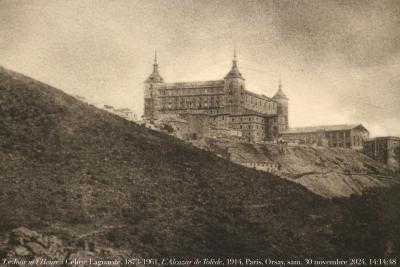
<point>256,102</point>
<point>250,126</point>
<point>262,105</point>
<point>247,127</point>
<point>191,99</point>
<point>249,119</point>
<point>337,134</point>
<point>189,91</point>
<point>190,105</point>
<point>243,119</point>
<point>250,100</point>
<point>192,102</point>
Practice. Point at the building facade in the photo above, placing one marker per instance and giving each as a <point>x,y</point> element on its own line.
<point>347,136</point>
<point>219,106</point>
<point>384,149</point>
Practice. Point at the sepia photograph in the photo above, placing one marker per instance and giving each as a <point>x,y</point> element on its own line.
<point>199,133</point>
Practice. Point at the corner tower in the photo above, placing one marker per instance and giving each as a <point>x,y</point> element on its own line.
<point>151,92</point>
<point>234,87</point>
<point>283,108</point>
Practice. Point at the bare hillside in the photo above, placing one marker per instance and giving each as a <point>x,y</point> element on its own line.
<point>329,172</point>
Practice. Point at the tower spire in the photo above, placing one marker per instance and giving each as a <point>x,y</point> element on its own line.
<point>155,65</point>
<point>155,76</point>
<point>234,72</point>
<point>234,58</point>
<point>280,83</point>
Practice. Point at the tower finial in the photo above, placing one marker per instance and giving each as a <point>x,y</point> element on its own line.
<point>155,65</point>
<point>234,53</point>
<point>280,82</point>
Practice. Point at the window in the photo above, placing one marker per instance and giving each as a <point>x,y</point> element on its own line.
<point>230,88</point>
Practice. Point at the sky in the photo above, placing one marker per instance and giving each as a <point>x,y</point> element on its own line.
<point>339,61</point>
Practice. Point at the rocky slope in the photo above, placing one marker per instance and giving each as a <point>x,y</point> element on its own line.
<point>70,170</point>
<point>25,247</point>
<point>329,172</point>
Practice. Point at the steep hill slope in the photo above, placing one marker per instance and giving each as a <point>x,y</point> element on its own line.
<point>69,169</point>
<point>329,172</point>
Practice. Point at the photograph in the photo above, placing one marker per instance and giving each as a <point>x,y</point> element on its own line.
<point>199,133</point>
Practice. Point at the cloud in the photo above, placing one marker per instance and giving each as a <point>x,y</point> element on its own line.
<point>362,33</point>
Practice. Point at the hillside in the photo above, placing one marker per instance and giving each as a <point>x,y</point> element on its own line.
<point>329,172</point>
<point>69,169</point>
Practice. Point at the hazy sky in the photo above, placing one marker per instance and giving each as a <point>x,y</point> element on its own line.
<point>339,60</point>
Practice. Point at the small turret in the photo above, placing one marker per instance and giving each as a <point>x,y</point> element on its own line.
<point>151,102</point>
<point>283,108</point>
<point>279,96</point>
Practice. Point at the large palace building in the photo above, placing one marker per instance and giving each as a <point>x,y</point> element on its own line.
<point>214,108</point>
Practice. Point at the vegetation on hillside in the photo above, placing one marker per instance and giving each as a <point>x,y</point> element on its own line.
<point>69,169</point>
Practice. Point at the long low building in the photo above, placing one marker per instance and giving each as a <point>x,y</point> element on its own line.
<point>347,135</point>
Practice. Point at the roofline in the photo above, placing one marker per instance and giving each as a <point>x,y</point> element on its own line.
<point>259,95</point>
<point>362,127</point>
<point>312,129</point>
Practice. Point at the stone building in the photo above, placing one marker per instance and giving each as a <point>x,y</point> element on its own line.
<point>348,135</point>
<point>223,105</point>
<point>384,149</point>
